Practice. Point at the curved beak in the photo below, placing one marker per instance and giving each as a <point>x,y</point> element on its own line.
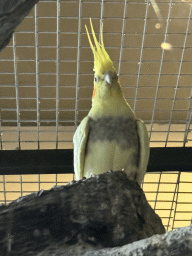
<point>108,77</point>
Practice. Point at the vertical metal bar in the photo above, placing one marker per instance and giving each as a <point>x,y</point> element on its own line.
<point>4,187</point>
<point>78,65</point>
<point>162,57</point>
<point>188,121</point>
<point>56,179</point>
<point>176,198</point>
<point>157,190</point>
<point>171,209</point>
<point>39,182</point>
<point>57,73</point>
<point>21,185</point>
<point>178,76</point>
<point>101,19</point>
<point>122,37</point>
<point>141,55</point>
<point>16,90</point>
<point>37,75</point>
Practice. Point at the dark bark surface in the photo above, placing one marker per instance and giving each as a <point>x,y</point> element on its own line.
<point>12,12</point>
<point>173,243</point>
<point>107,210</point>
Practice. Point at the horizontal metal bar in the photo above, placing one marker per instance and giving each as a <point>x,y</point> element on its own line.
<point>36,161</point>
<point>105,33</point>
<point>158,201</point>
<point>111,18</point>
<point>90,61</point>
<point>170,159</point>
<point>40,131</point>
<point>122,74</point>
<point>34,121</point>
<point>71,120</point>
<point>61,131</point>
<point>89,86</point>
<point>87,47</point>
<point>83,98</point>
<point>75,2</point>
<point>61,161</point>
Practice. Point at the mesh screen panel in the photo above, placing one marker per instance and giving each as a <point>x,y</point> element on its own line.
<point>46,86</point>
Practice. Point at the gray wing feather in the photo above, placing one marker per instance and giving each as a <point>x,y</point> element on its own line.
<point>80,141</point>
<point>144,149</point>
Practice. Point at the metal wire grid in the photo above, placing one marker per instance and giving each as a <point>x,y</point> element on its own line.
<point>74,95</point>
<point>14,186</point>
<point>170,196</point>
<point>167,126</point>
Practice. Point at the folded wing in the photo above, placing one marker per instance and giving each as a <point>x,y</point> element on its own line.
<point>144,148</point>
<point>80,141</point>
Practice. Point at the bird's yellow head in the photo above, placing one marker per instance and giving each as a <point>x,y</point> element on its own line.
<point>105,72</point>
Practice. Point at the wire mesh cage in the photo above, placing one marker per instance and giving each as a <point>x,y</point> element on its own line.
<point>47,82</point>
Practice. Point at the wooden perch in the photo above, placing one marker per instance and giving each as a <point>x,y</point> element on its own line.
<point>173,243</point>
<point>107,210</point>
<point>11,15</point>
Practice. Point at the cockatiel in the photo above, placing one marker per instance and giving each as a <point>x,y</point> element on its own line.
<point>110,137</point>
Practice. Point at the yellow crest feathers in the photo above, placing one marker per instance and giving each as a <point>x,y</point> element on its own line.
<point>102,61</point>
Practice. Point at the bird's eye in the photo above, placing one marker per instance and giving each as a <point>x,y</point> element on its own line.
<point>97,78</point>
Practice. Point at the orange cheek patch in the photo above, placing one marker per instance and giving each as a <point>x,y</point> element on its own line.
<point>94,91</point>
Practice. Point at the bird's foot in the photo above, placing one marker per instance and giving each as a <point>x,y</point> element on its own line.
<point>91,175</point>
